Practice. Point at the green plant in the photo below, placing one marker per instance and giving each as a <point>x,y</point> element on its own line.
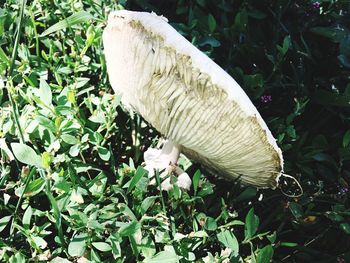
<point>71,184</point>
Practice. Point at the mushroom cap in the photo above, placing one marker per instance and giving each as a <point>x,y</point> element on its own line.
<point>189,99</point>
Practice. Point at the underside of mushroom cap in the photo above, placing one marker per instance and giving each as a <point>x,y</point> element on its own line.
<point>189,99</point>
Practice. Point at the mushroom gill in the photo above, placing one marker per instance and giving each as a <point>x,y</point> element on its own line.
<point>189,99</point>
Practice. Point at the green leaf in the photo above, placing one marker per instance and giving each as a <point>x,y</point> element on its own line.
<point>26,154</point>
<point>6,150</point>
<point>95,257</point>
<point>77,246</point>
<point>206,189</point>
<point>288,244</point>
<point>127,211</point>
<point>344,50</point>
<point>140,172</point>
<point>272,237</point>
<point>211,23</point>
<point>95,225</point>
<point>98,184</point>
<point>202,3</point>
<point>347,89</point>
<point>79,218</point>
<point>265,254</point>
<point>102,246</point>
<point>46,160</point>
<point>241,20</point>
<point>200,234</point>
<point>331,98</point>
<point>39,242</point>
<point>104,153</point>
<point>45,92</point>
<point>324,157</point>
<point>148,247</point>
<point>34,187</point>
<point>3,15</point>
<point>163,257</point>
<point>74,150</point>
<point>345,227</point>
<point>344,153</point>
<point>345,60</point>
<point>346,139</point>
<point>47,123</point>
<point>211,41</point>
<point>247,194</point>
<point>228,239</point>
<point>18,258</point>
<point>60,260</point>
<point>4,221</point>
<point>335,34</point>
<point>254,13</point>
<point>195,180</point>
<point>129,229</point>
<point>115,245</point>
<point>286,44</point>
<point>71,96</point>
<point>251,224</point>
<point>254,84</point>
<point>69,139</point>
<point>27,217</point>
<point>74,19</point>
<point>296,210</point>
<point>210,224</point>
<point>3,57</point>
<point>147,203</point>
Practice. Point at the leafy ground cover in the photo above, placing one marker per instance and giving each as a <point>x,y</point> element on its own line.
<point>71,185</point>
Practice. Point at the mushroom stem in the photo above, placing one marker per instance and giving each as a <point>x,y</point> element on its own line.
<point>166,159</point>
<point>162,159</point>
<point>170,152</point>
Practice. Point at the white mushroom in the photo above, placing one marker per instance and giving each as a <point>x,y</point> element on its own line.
<point>189,99</point>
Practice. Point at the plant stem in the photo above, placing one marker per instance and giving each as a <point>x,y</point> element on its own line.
<point>36,33</point>
<point>56,210</point>
<point>26,183</point>
<point>136,137</point>
<point>19,29</point>
<point>10,72</point>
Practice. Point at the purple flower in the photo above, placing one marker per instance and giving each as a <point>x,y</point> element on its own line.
<point>316,5</point>
<point>266,98</point>
<point>344,190</point>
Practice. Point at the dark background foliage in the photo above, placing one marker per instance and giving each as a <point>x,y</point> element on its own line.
<point>293,60</point>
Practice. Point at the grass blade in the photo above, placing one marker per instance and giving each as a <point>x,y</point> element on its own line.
<point>140,172</point>
<point>74,19</point>
<point>13,59</point>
